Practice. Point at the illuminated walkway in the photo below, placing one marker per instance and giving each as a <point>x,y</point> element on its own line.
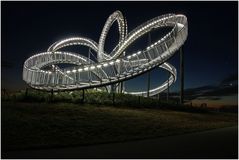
<point>110,68</point>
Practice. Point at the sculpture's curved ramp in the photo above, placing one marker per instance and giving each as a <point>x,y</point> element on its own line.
<point>110,68</point>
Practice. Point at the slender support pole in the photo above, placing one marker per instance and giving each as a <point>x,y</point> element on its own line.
<point>148,84</point>
<point>26,91</point>
<point>113,98</point>
<point>89,52</point>
<point>121,87</point>
<point>149,43</point>
<point>121,84</point>
<point>181,76</point>
<point>89,72</point>
<point>113,93</point>
<point>83,95</point>
<point>158,98</point>
<point>168,91</point>
<point>52,94</point>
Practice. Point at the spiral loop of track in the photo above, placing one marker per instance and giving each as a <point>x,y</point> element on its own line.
<point>110,68</point>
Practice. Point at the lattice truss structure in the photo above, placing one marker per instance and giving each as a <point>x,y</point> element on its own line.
<point>109,68</point>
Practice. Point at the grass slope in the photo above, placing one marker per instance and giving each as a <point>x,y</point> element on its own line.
<point>42,125</point>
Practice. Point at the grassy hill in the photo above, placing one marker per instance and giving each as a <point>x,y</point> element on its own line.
<point>41,125</point>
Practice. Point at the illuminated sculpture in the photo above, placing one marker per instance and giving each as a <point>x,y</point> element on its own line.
<point>109,68</point>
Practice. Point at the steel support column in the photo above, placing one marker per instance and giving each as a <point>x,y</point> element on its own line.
<point>83,95</point>
<point>168,89</point>
<point>149,43</point>
<point>181,76</point>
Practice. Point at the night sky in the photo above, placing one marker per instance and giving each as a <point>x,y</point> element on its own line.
<point>211,49</point>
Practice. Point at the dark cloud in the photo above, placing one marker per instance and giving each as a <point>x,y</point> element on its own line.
<point>209,98</point>
<point>211,93</point>
<point>199,90</point>
<point>225,88</point>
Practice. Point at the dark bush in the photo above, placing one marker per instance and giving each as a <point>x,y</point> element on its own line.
<point>99,98</point>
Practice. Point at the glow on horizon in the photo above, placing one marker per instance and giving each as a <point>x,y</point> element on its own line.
<point>225,100</point>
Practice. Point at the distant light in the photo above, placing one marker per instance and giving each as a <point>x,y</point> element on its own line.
<point>111,63</point>
<point>92,67</point>
<point>80,69</point>
<point>68,71</point>
<point>73,70</point>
